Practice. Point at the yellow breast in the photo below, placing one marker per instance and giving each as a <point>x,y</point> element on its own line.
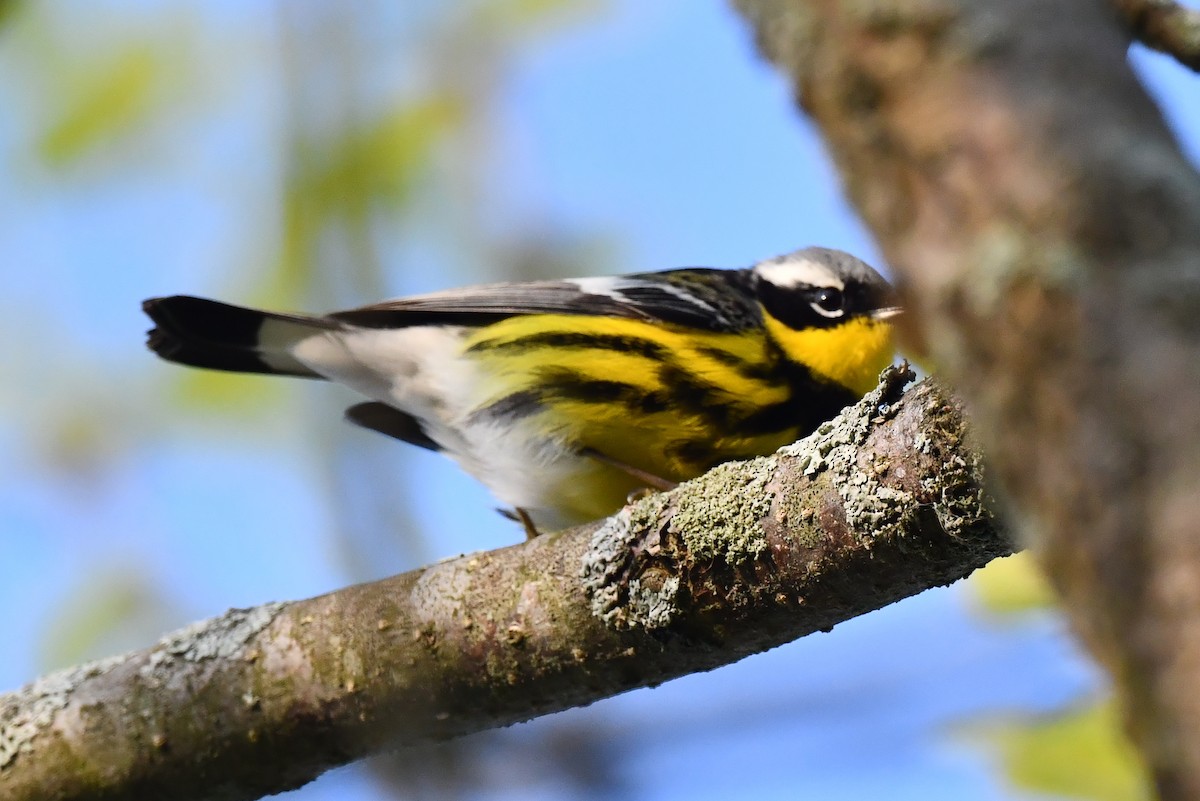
<point>851,354</point>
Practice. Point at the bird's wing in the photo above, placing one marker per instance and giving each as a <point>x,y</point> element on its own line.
<point>717,300</point>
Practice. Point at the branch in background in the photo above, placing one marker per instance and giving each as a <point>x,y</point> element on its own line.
<point>884,502</point>
<point>1165,26</point>
<point>1046,231</point>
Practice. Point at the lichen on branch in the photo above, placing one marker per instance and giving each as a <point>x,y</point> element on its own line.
<point>881,503</point>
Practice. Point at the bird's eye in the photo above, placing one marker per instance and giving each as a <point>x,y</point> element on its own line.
<point>828,301</point>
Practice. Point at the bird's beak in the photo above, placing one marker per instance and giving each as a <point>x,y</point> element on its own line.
<point>887,313</point>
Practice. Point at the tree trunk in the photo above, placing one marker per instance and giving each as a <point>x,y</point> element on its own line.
<point>1046,231</point>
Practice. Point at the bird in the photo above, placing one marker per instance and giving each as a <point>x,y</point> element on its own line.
<point>567,397</point>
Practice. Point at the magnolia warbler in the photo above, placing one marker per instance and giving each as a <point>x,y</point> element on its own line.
<point>563,397</point>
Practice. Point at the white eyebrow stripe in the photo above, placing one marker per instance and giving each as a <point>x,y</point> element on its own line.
<point>789,273</point>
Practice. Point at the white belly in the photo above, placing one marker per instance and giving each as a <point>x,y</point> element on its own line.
<point>423,371</point>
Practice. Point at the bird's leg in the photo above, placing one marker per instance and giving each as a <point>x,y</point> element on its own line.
<point>521,516</point>
<point>650,480</point>
<point>527,521</point>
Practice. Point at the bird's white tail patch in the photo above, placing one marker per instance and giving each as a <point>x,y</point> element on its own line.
<point>278,338</point>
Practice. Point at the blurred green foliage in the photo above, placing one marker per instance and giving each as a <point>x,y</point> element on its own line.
<point>351,160</point>
<point>522,17</point>
<point>8,10</point>
<point>375,165</point>
<point>1012,586</point>
<point>110,612</point>
<point>382,161</point>
<point>207,392</point>
<point>371,166</point>
<point>1081,752</point>
<point>101,101</point>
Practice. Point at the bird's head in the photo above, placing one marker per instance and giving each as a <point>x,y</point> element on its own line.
<point>829,312</point>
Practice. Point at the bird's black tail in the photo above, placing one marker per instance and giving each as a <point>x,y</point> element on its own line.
<point>218,336</point>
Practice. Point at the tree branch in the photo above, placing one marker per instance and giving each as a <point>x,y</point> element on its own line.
<point>1046,230</point>
<point>879,505</point>
<point>1165,26</point>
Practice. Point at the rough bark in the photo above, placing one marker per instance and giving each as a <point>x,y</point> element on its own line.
<point>1166,27</point>
<point>884,502</point>
<point>1046,230</point>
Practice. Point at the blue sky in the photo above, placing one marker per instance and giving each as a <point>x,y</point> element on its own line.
<point>652,127</point>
